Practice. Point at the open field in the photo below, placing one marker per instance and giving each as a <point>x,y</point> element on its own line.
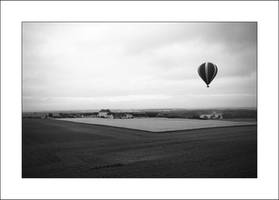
<point>55,148</point>
<point>159,124</point>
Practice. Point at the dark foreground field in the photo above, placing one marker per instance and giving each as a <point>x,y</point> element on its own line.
<point>53,149</point>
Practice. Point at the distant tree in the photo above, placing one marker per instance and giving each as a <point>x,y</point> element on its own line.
<point>151,114</point>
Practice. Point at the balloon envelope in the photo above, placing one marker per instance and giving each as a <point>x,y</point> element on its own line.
<point>207,72</point>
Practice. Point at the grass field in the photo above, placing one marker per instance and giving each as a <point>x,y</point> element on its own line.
<point>54,148</point>
<point>160,124</point>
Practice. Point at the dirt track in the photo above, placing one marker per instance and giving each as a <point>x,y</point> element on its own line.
<point>54,148</point>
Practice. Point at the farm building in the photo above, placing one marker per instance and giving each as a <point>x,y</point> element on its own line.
<point>104,113</point>
<point>129,116</point>
<point>122,115</point>
<point>213,115</point>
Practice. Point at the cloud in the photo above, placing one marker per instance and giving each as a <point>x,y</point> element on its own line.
<point>136,64</point>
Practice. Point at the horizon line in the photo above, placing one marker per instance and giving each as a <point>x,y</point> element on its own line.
<point>94,109</point>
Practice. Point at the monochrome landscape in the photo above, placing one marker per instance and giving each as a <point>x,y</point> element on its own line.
<point>139,100</point>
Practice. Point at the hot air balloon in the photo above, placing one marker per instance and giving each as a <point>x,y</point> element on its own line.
<point>207,72</point>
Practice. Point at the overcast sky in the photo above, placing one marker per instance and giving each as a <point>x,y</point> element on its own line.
<point>76,66</point>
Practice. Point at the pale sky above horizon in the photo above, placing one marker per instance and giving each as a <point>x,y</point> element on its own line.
<point>79,66</point>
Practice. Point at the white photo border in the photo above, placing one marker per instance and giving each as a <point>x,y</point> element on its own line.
<point>14,187</point>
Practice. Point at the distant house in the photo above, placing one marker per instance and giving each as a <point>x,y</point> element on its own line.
<point>205,116</point>
<point>116,115</point>
<point>217,116</point>
<point>104,113</point>
<point>119,115</point>
<point>129,116</point>
<point>111,116</point>
<point>213,115</point>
